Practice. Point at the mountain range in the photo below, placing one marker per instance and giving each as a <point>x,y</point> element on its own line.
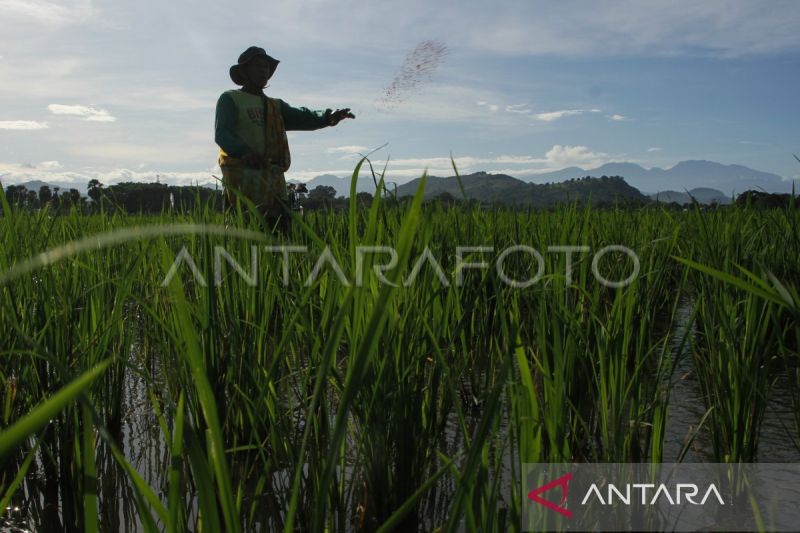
<point>686,175</point>
<point>725,180</point>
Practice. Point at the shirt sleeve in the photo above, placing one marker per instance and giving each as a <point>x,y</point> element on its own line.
<point>302,118</point>
<point>225,128</point>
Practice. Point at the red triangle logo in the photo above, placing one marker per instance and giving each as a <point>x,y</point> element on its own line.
<point>562,482</point>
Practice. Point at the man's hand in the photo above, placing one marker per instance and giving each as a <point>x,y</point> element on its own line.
<point>334,117</point>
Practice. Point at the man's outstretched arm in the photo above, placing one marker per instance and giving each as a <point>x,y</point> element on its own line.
<point>302,118</point>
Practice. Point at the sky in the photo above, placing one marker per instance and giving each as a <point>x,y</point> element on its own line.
<point>126,91</point>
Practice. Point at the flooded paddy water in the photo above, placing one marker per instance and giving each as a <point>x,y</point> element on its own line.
<point>36,508</point>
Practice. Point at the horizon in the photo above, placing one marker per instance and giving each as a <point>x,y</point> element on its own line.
<point>365,178</point>
<point>533,91</point>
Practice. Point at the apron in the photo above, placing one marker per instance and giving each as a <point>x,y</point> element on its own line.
<point>265,187</point>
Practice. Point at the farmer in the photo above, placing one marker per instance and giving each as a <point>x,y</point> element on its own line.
<point>251,131</point>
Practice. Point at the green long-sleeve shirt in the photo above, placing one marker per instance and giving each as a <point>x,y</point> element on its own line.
<point>237,129</point>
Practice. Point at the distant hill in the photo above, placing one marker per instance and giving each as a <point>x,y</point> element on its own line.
<point>500,188</point>
<point>478,186</point>
<point>35,185</point>
<point>686,175</point>
<point>342,185</point>
<point>701,194</point>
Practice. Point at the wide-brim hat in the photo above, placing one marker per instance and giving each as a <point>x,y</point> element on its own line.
<point>248,55</point>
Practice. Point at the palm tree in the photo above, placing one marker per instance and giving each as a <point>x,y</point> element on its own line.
<point>95,189</point>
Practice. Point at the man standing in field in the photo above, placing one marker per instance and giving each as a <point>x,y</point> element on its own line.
<point>251,131</point>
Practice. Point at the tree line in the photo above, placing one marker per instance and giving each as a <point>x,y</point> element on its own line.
<point>152,198</point>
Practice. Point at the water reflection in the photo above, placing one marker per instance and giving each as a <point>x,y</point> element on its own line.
<point>777,436</point>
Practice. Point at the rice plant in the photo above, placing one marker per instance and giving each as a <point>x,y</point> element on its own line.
<point>252,390</point>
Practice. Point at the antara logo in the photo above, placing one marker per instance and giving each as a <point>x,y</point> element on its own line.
<point>659,492</point>
<point>628,494</point>
<point>562,482</point>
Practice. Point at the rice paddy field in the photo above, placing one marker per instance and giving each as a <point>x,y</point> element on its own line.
<point>258,399</point>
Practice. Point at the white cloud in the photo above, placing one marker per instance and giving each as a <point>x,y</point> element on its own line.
<point>492,107</point>
<point>88,113</point>
<point>22,125</point>
<point>556,158</point>
<point>348,150</point>
<point>462,162</point>
<point>618,118</point>
<point>50,165</point>
<point>556,115</point>
<point>654,149</point>
<point>522,109</point>
<point>101,118</point>
<point>78,179</point>
<point>44,165</point>
<point>566,156</point>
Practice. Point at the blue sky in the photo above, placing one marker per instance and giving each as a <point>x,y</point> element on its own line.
<point>125,91</point>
